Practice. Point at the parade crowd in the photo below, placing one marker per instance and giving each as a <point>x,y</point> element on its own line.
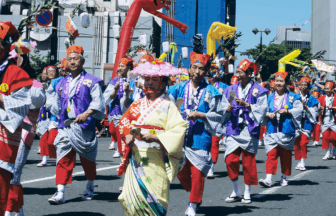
<point>164,123</point>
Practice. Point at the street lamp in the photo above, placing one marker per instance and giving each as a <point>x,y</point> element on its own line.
<point>294,29</point>
<point>255,31</point>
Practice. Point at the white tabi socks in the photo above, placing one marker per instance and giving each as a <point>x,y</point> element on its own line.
<point>236,190</point>
<point>44,159</point>
<point>247,193</point>
<point>268,178</point>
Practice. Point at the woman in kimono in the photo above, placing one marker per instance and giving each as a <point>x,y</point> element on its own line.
<point>152,132</point>
<point>282,119</point>
<point>202,110</point>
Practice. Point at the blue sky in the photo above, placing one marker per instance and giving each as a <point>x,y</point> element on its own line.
<point>262,14</point>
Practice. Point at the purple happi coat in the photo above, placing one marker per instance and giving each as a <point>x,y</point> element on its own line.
<point>81,101</point>
<point>232,124</point>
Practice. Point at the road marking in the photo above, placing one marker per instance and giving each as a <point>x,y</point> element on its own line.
<point>75,174</point>
<point>273,189</point>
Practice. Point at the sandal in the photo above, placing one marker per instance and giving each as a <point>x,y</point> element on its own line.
<point>264,183</point>
<point>41,164</point>
<point>246,201</point>
<point>232,199</point>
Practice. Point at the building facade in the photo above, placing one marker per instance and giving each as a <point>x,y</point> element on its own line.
<point>324,30</point>
<point>295,39</point>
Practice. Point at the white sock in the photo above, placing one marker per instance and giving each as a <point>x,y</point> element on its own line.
<point>61,188</point>
<point>236,190</point>
<point>247,194</point>
<point>44,159</point>
<point>193,206</point>
<point>8,213</point>
<point>302,161</point>
<point>268,178</point>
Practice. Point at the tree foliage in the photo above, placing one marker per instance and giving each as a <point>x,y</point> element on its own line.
<point>271,56</point>
<point>38,62</point>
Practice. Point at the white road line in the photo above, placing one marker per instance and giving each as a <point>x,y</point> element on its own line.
<point>273,189</point>
<point>74,174</point>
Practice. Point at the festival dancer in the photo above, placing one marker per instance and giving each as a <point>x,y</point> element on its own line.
<point>282,119</point>
<point>15,102</point>
<point>327,118</point>
<point>310,111</point>
<point>245,113</point>
<point>317,127</point>
<point>43,120</point>
<point>201,109</point>
<point>64,69</point>
<point>214,79</point>
<point>262,128</point>
<point>272,85</point>
<point>15,196</point>
<point>152,131</point>
<point>48,125</point>
<point>139,82</point>
<point>119,95</point>
<point>78,104</point>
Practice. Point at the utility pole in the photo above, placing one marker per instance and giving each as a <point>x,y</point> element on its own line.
<point>196,20</point>
<point>54,39</point>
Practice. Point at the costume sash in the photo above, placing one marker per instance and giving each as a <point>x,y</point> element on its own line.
<point>147,111</point>
<point>67,90</point>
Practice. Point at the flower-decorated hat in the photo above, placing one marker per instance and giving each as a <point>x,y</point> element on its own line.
<point>156,68</point>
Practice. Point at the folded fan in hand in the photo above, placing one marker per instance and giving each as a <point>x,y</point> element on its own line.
<point>179,102</point>
<point>232,96</point>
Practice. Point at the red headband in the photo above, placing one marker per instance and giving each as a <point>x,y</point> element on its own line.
<point>50,66</point>
<point>330,84</point>
<point>64,63</point>
<point>247,65</point>
<point>316,93</point>
<point>199,58</point>
<point>234,80</point>
<point>8,29</point>
<point>272,83</point>
<point>126,61</point>
<point>281,74</point>
<point>305,79</point>
<point>214,67</point>
<point>147,57</point>
<point>75,49</point>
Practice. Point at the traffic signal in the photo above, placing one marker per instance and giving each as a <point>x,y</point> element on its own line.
<point>198,43</point>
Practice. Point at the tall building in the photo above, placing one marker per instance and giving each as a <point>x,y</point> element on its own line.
<point>295,39</point>
<point>324,30</point>
<point>198,19</point>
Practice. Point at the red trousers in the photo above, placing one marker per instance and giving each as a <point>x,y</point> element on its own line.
<point>115,135</point>
<point>65,167</point>
<point>47,143</point>
<point>316,133</point>
<point>285,161</point>
<point>15,198</point>
<point>249,166</point>
<point>192,180</point>
<point>5,178</point>
<point>300,147</point>
<point>328,136</point>
<point>262,132</point>
<point>215,149</point>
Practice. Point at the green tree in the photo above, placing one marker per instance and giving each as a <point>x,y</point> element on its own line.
<point>39,62</point>
<point>271,57</point>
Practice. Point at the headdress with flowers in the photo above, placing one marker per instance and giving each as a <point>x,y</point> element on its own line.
<point>156,68</point>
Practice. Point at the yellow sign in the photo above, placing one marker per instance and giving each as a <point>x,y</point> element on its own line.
<point>4,87</point>
<point>68,109</point>
<point>153,132</point>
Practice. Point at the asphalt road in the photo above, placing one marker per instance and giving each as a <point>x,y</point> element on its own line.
<point>309,193</point>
